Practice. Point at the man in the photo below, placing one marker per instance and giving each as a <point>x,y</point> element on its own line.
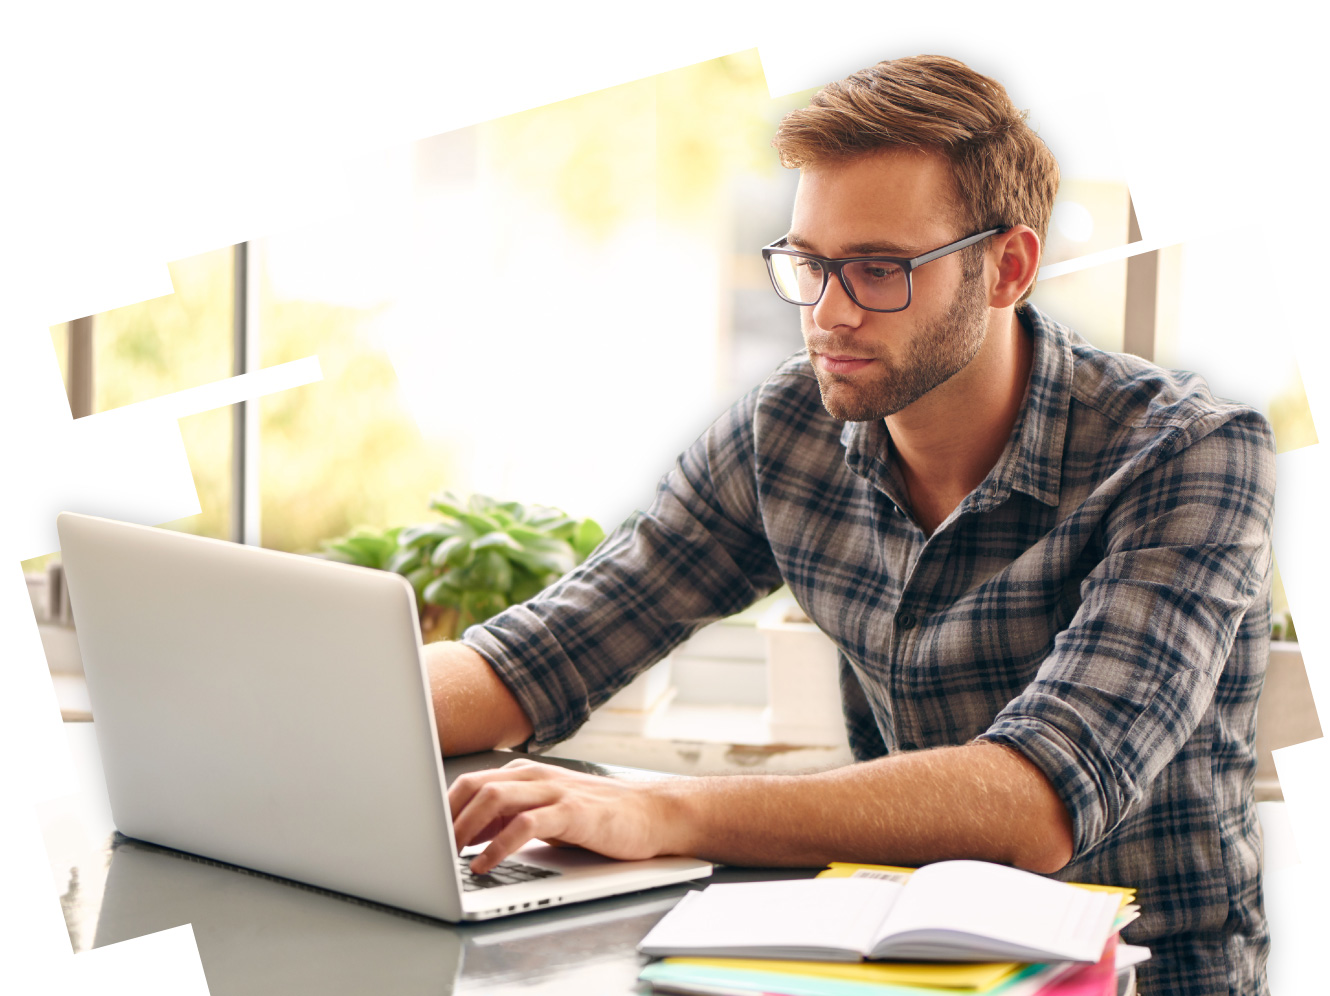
<point>1046,567</point>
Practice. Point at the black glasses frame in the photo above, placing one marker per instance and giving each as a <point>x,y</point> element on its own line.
<point>830,266</point>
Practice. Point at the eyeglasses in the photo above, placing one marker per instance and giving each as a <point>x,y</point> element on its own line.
<point>874,283</point>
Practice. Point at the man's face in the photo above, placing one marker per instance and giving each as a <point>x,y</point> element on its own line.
<point>871,364</point>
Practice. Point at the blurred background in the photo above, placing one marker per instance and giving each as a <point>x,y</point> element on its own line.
<point>548,307</point>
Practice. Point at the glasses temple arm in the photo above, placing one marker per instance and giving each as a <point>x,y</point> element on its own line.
<point>964,243</point>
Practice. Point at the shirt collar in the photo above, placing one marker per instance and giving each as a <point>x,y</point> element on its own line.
<point>1032,460</point>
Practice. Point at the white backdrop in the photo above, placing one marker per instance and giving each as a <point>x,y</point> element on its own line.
<point>138,134</point>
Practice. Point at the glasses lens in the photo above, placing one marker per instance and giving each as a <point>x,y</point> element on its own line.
<point>878,285</point>
<point>799,280</point>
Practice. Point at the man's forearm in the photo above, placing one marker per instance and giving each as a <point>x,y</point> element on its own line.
<point>473,708</point>
<point>980,801</point>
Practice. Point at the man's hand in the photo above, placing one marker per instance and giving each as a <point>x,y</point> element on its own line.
<point>525,800</point>
<point>980,801</point>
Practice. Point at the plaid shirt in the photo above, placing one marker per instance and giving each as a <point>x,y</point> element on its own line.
<point>1100,603</point>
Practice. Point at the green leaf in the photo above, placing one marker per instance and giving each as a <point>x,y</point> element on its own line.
<point>563,528</point>
<point>540,516</point>
<point>330,552</point>
<point>513,509</point>
<point>404,561</point>
<point>426,534</point>
<point>419,578</point>
<point>527,584</point>
<point>365,549</point>
<point>491,572</point>
<point>482,524</point>
<point>442,591</point>
<point>447,503</point>
<point>477,606</point>
<point>588,536</point>
<point>371,541</point>
<point>458,578</point>
<point>480,504</point>
<point>541,553</point>
<point>544,563</point>
<point>493,541</point>
<point>533,539</point>
<point>496,552</point>
<point>455,551</point>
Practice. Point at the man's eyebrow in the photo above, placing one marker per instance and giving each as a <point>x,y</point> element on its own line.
<point>878,248</point>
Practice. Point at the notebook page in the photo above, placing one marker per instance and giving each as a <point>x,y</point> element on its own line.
<point>1018,910</point>
<point>771,917</point>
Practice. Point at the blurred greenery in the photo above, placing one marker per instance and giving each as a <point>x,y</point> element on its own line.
<point>1092,300</point>
<point>1291,417</point>
<point>714,120</point>
<point>667,145</point>
<point>168,344</point>
<point>590,156</point>
<point>333,454</point>
<point>343,452</point>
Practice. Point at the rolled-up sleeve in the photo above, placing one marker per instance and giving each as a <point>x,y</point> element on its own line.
<point>1187,553</point>
<point>699,553</point>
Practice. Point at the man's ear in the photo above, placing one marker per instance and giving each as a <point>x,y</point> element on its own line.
<point>1018,253</point>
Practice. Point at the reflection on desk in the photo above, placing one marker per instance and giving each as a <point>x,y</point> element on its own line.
<point>258,934</point>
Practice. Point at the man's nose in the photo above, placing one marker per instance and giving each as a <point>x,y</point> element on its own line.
<point>836,308</point>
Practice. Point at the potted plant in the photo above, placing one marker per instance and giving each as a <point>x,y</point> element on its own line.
<point>479,558</point>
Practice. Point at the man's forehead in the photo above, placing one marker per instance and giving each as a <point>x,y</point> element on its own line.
<point>890,203</point>
<point>874,246</point>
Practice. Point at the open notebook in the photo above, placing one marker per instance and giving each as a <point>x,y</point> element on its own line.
<point>949,911</point>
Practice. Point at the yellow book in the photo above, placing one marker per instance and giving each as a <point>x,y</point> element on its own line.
<point>974,977</point>
<point>845,869</point>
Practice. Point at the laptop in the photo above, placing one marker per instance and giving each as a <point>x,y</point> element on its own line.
<point>272,711</point>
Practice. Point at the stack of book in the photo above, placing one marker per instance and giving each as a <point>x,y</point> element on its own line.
<point>859,930</point>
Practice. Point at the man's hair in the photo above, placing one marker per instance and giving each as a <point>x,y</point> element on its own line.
<point>1004,174</point>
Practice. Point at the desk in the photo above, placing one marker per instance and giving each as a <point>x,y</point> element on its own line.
<point>261,935</point>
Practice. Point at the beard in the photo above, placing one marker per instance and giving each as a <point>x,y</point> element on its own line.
<point>941,349</point>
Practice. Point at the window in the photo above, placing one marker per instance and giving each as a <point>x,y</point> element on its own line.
<point>550,306</point>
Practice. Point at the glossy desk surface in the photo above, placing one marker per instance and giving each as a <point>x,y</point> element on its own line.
<point>258,934</point>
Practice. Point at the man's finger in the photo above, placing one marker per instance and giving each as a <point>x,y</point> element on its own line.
<point>466,786</point>
<point>499,801</point>
<point>526,826</point>
<point>489,833</point>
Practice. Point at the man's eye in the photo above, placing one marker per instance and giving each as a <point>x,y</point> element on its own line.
<point>811,265</point>
<point>883,273</point>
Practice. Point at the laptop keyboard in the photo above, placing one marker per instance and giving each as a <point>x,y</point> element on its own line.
<point>504,873</point>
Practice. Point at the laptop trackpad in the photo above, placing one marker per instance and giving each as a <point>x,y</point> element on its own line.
<point>564,859</point>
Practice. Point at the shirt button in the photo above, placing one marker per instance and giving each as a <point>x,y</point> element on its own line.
<point>909,745</point>
<point>906,621</point>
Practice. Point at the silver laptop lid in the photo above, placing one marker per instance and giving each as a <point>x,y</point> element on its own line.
<point>264,709</point>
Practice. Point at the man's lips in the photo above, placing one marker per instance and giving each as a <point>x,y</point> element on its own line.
<point>835,363</point>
